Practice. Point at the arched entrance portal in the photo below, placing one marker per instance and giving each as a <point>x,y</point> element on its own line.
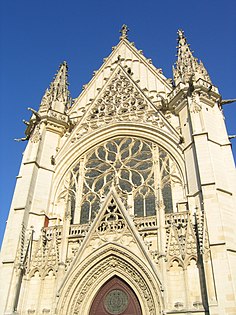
<point>115,298</point>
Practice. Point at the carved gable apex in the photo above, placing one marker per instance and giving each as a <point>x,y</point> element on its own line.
<point>130,58</point>
<point>119,98</point>
<point>112,225</point>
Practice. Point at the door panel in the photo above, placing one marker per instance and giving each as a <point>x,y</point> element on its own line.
<point>115,298</point>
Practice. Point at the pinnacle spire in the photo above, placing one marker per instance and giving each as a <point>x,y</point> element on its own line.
<point>187,66</point>
<point>124,32</point>
<point>58,92</point>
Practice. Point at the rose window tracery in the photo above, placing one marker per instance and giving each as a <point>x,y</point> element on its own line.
<point>142,174</point>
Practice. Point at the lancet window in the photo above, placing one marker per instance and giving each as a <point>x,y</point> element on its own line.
<point>142,173</point>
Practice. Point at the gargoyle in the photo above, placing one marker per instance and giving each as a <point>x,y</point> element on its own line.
<point>30,125</point>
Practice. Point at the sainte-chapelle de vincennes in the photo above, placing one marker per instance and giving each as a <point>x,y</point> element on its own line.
<point>125,199</point>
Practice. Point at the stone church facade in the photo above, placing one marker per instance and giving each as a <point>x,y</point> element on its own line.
<point>125,199</point>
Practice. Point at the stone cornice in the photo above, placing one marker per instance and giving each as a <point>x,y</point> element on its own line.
<point>207,93</point>
<point>56,122</point>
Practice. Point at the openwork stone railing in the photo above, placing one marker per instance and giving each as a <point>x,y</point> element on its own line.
<point>206,84</point>
<point>78,230</point>
<point>75,230</point>
<point>145,223</point>
<point>177,218</point>
<point>56,230</point>
<point>175,91</point>
<point>141,223</point>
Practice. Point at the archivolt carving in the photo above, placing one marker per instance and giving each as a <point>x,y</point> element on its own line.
<point>133,271</point>
<point>149,117</point>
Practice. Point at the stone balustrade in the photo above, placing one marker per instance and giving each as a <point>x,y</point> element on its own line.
<point>142,224</point>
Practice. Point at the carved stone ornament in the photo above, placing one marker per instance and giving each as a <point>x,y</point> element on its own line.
<point>45,254</point>
<point>195,106</point>
<point>203,237</point>
<point>120,97</point>
<point>112,223</point>
<point>57,116</point>
<point>121,101</point>
<point>58,90</point>
<point>111,263</point>
<point>124,32</point>
<point>181,237</point>
<point>187,66</point>
<point>36,135</point>
<point>127,163</point>
<point>46,101</point>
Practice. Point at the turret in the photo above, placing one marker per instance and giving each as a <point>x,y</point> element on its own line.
<point>206,148</point>
<point>57,96</point>
<point>187,66</point>
<point>29,205</point>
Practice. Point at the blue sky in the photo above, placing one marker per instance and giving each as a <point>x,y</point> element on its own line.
<point>36,36</point>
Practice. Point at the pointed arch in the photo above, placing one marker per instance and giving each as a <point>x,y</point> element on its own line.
<point>174,170</point>
<point>33,272</point>
<point>178,260</point>
<point>167,138</point>
<point>191,257</point>
<point>46,272</point>
<point>83,283</point>
<point>115,297</point>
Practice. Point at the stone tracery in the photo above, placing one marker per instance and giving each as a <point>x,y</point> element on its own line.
<point>120,97</point>
<point>137,169</point>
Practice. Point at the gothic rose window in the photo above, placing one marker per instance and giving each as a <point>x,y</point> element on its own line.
<point>142,174</point>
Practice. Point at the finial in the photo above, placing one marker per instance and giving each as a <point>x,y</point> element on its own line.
<point>124,31</point>
<point>181,38</point>
<point>180,33</point>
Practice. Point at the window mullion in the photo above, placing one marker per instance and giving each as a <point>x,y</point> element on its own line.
<point>79,191</point>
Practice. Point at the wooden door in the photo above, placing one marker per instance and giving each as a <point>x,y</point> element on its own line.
<point>115,298</point>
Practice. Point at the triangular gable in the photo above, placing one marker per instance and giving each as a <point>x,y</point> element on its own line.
<point>120,100</point>
<point>112,225</point>
<point>127,55</point>
<point>120,96</point>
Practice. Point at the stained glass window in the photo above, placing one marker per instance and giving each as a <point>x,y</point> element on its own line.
<point>133,167</point>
